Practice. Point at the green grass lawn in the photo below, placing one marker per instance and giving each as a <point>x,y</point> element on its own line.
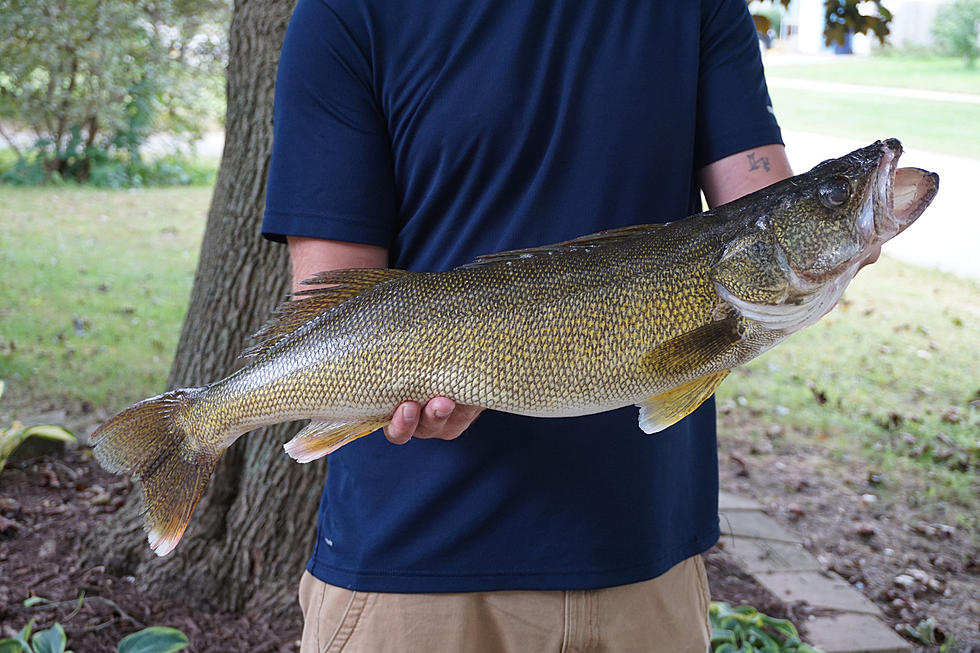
<point>890,375</point>
<point>938,126</point>
<point>94,293</point>
<point>902,71</point>
<point>945,127</point>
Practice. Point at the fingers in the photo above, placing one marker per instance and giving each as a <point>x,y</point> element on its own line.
<point>404,422</point>
<point>435,418</point>
<point>439,418</point>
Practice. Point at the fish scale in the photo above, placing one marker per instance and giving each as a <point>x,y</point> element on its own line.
<point>654,315</point>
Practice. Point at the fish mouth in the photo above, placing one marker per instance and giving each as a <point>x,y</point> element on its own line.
<point>902,193</point>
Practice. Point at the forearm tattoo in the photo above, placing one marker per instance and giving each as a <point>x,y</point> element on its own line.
<point>757,163</point>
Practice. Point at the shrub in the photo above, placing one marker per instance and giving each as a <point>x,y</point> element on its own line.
<point>746,630</point>
<point>957,29</point>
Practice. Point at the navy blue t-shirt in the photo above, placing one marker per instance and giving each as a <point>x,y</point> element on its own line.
<point>446,129</point>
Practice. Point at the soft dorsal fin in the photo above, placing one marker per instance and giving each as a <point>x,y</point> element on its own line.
<point>581,243</point>
<point>290,315</point>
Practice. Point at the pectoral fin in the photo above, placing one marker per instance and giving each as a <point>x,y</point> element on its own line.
<point>657,413</point>
<point>693,350</point>
<point>320,438</point>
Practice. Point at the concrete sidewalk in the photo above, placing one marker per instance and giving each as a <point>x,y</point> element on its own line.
<point>862,89</point>
<point>774,556</point>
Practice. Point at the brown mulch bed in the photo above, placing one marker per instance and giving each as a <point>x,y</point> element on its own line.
<point>46,505</point>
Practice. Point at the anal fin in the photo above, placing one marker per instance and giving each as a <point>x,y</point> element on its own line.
<point>668,408</point>
<point>320,438</point>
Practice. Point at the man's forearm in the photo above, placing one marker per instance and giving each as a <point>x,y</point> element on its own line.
<point>312,255</point>
<point>743,173</point>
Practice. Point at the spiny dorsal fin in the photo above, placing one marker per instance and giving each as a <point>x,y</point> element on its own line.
<point>581,243</point>
<point>290,315</point>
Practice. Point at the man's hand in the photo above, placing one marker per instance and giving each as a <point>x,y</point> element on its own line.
<point>439,418</point>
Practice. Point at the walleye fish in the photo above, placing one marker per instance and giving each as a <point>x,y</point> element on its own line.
<point>654,315</point>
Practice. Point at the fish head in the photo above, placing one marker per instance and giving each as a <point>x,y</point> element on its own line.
<point>845,208</point>
<point>811,233</point>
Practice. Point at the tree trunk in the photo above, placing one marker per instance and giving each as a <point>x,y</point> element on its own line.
<point>250,536</point>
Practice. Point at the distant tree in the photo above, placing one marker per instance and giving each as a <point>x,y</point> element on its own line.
<point>843,17</point>
<point>957,29</point>
<point>84,76</point>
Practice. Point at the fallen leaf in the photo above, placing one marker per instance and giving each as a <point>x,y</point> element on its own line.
<point>8,525</point>
<point>904,580</point>
<point>952,416</point>
<point>865,529</point>
<point>795,511</point>
<point>743,470</point>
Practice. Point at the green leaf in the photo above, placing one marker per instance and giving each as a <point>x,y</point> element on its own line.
<point>35,600</point>
<point>155,639</point>
<point>762,641</point>
<point>11,646</point>
<point>719,609</point>
<point>52,640</point>
<point>14,436</point>
<point>806,648</point>
<point>24,634</point>
<point>51,432</point>
<point>783,626</point>
<point>720,635</point>
<point>726,648</point>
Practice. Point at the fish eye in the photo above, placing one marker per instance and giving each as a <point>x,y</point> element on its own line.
<point>835,192</point>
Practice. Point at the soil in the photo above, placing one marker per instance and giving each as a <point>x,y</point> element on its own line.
<point>46,505</point>
<point>48,502</point>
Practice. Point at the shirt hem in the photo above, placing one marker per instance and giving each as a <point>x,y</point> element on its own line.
<point>407,581</point>
<point>279,224</point>
<point>734,142</point>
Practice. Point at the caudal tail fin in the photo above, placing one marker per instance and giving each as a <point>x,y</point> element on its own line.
<point>150,440</point>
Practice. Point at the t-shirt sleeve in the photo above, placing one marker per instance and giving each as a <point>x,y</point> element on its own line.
<point>734,109</point>
<point>331,171</point>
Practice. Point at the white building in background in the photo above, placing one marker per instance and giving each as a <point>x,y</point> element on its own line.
<point>802,25</point>
<point>912,22</point>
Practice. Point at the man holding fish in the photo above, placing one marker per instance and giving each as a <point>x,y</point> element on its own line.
<point>421,135</point>
<point>429,140</point>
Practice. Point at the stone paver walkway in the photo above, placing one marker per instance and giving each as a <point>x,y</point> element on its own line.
<point>775,557</point>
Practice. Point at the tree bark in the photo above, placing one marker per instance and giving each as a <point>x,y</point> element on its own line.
<point>250,536</point>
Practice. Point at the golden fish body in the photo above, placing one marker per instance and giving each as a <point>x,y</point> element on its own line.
<point>561,332</point>
<point>654,315</point>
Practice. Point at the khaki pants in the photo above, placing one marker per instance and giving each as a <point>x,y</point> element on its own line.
<point>668,614</point>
